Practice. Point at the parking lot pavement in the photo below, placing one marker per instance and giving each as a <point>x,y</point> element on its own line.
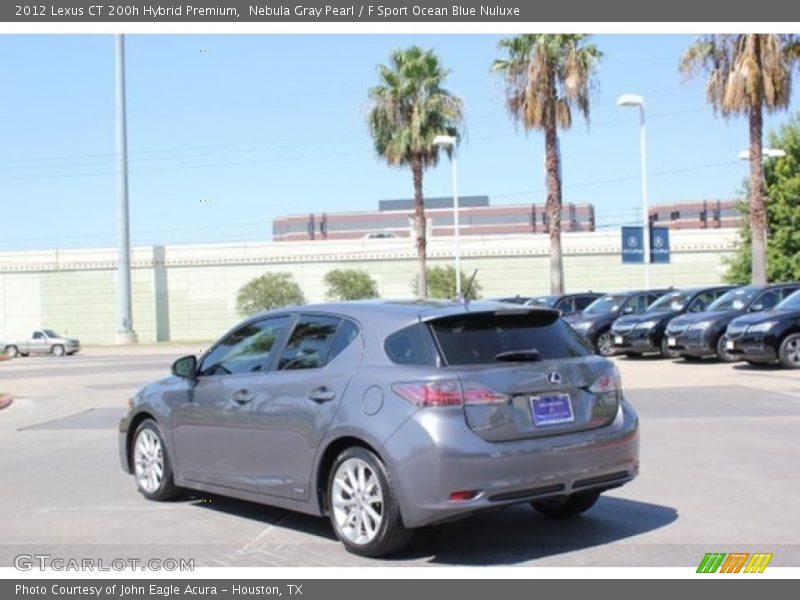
<point>718,473</point>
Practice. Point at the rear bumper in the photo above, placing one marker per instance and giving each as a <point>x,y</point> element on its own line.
<point>433,455</point>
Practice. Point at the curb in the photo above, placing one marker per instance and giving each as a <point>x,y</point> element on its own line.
<point>5,401</point>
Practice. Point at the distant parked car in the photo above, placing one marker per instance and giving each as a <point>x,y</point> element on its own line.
<point>645,333</point>
<point>388,416</point>
<point>566,304</point>
<point>510,299</point>
<point>594,323</point>
<point>703,334</point>
<point>41,341</point>
<point>381,235</point>
<point>768,336</point>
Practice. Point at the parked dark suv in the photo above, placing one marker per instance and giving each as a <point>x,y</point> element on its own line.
<point>566,304</point>
<point>594,323</point>
<point>698,335</point>
<point>644,334</point>
<point>767,336</point>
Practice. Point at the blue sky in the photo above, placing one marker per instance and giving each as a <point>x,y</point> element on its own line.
<point>226,132</point>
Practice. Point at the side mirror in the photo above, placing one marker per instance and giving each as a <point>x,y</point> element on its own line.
<point>628,310</point>
<point>758,306</point>
<point>185,367</point>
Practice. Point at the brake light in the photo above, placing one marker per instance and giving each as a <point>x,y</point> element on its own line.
<point>607,390</point>
<point>447,392</point>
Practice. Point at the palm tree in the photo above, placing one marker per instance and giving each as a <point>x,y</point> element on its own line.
<point>409,107</point>
<point>546,77</point>
<point>746,74</point>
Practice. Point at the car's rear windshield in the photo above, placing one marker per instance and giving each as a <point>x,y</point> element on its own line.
<point>480,338</point>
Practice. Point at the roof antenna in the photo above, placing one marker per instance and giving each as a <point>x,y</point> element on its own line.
<point>464,299</point>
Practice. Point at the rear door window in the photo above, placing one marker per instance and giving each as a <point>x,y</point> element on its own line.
<point>479,338</point>
<point>310,343</point>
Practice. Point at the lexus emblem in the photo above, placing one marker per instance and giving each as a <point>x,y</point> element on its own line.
<point>553,377</point>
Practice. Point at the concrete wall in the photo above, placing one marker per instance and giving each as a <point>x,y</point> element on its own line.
<point>189,292</point>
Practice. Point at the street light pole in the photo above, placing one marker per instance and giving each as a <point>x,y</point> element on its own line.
<point>450,141</point>
<point>628,100</point>
<point>125,334</point>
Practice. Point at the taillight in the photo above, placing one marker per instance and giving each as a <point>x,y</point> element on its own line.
<point>607,390</point>
<point>448,392</point>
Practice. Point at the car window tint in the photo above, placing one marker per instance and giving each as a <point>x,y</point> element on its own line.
<point>246,350</point>
<point>409,346</point>
<point>310,343</point>
<point>565,305</point>
<point>479,338</point>
<point>702,301</point>
<point>640,302</point>
<point>582,302</point>
<point>38,335</point>
<point>348,332</point>
<point>785,292</point>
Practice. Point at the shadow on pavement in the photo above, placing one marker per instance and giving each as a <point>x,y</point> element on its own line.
<point>502,536</point>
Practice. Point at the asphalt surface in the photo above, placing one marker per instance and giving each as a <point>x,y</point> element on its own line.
<point>719,473</point>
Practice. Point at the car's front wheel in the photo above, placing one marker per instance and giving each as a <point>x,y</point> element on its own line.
<point>363,505</point>
<point>151,466</point>
<point>571,506</point>
<point>666,351</point>
<point>789,352</point>
<point>604,343</point>
<point>722,353</point>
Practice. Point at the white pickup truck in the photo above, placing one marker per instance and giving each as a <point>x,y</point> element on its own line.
<point>41,341</point>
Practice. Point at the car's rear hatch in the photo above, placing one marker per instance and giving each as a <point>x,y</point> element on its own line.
<point>525,374</point>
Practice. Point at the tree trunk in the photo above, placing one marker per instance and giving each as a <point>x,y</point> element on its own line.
<point>419,226</point>
<point>553,207</point>
<point>758,216</point>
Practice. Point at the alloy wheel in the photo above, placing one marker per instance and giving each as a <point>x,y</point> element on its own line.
<point>148,460</point>
<point>605,344</point>
<point>357,501</point>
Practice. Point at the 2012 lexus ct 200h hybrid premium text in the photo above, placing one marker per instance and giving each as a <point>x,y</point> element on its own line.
<point>388,416</point>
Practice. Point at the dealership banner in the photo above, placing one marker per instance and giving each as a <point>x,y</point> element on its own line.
<point>386,589</point>
<point>659,245</point>
<point>397,11</point>
<point>632,245</point>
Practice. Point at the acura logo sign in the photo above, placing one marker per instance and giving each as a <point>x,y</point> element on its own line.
<point>553,377</point>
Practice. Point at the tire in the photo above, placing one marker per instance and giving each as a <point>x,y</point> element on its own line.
<point>564,508</point>
<point>789,351</point>
<point>722,354</point>
<point>604,343</point>
<point>350,502</point>
<point>57,350</point>
<point>666,352</point>
<point>148,451</point>
<point>11,351</point>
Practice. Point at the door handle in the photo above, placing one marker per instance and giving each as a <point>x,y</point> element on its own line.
<point>322,394</point>
<point>242,397</point>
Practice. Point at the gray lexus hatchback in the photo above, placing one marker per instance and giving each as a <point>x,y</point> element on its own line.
<point>388,416</point>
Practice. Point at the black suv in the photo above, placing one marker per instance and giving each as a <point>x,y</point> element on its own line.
<point>767,336</point>
<point>594,323</point>
<point>644,334</point>
<point>703,334</point>
<point>567,304</point>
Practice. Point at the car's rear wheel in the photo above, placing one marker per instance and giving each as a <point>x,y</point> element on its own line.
<point>570,506</point>
<point>363,505</point>
<point>11,351</point>
<point>665,350</point>
<point>722,353</point>
<point>151,465</point>
<point>57,350</point>
<point>604,343</point>
<point>789,352</point>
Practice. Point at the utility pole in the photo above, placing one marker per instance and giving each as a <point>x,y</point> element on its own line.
<point>125,333</point>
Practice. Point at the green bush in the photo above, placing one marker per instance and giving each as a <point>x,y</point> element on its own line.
<point>271,290</point>
<point>350,284</point>
<point>442,283</point>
